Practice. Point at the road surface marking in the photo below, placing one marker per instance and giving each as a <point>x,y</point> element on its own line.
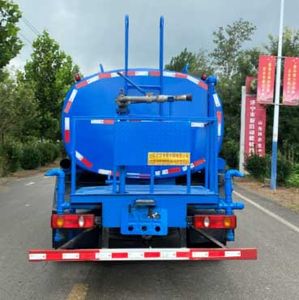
<point>78,292</point>
<point>268,212</point>
<point>30,183</point>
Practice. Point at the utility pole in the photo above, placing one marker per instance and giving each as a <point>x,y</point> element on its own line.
<point>276,102</point>
<point>242,131</point>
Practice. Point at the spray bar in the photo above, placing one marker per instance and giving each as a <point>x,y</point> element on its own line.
<point>122,100</point>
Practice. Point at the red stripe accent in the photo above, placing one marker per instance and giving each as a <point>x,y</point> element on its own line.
<point>68,107</point>
<point>152,254</point>
<point>203,85</point>
<point>183,254</point>
<point>174,170</point>
<point>131,73</point>
<point>219,116</point>
<point>119,255</point>
<point>154,73</point>
<point>108,122</point>
<point>90,254</point>
<point>104,75</point>
<point>81,84</point>
<point>87,255</point>
<point>86,162</point>
<point>67,136</point>
<point>198,162</point>
<point>180,75</point>
<point>219,254</point>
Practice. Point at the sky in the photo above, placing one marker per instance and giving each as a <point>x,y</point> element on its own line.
<point>92,31</point>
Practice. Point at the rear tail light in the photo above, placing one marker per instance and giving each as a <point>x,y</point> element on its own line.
<point>215,221</point>
<point>72,221</point>
<point>59,222</point>
<point>206,221</point>
<point>81,221</point>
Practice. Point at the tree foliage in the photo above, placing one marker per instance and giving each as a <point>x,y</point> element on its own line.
<point>229,42</point>
<point>50,71</point>
<point>10,44</point>
<point>18,108</point>
<point>198,63</point>
<point>7,105</point>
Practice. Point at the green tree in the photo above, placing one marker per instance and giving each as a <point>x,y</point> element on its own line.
<point>26,110</point>
<point>290,45</point>
<point>233,64</point>
<point>51,72</point>
<point>7,106</point>
<point>198,63</point>
<point>18,108</point>
<point>10,44</point>
<point>229,43</point>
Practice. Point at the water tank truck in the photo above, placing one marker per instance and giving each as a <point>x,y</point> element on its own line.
<point>141,181</point>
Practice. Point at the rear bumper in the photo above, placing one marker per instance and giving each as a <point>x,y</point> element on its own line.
<point>143,254</point>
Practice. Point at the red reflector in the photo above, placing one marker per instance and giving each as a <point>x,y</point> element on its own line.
<point>180,75</point>
<point>120,255</point>
<point>72,221</point>
<point>104,75</point>
<point>152,254</point>
<point>181,254</point>
<point>154,73</point>
<point>216,221</point>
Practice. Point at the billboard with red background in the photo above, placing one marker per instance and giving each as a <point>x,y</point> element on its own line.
<point>255,122</point>
<point>291,81</point>
<point>266,78</point>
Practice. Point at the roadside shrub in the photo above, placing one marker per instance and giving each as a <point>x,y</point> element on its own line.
<point>11,153</point>
<point>31,157</point>
<point>46,155</point>
<point>230,152</point>
<point>2,173</point>
<point>55,150</point>
<point>284,170</point>
<point>62,152</point>
<point>293,180</point>
<point>257,166</point>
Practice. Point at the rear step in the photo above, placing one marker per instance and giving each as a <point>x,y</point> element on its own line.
<point>143,254</point>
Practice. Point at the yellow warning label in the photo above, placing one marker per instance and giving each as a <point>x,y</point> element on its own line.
<point>168,158</point>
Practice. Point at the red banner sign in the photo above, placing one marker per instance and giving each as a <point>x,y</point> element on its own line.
<point>255,124</point>
<point>265,80</point>
<point>291,81</point>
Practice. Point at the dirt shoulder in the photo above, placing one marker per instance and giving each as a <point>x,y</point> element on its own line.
<point>28,173</point>
<point>287,197</point>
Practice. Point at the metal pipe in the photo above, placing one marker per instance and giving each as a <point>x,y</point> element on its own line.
<point>126,50</point>
<point>276,105</point>
<point>152,179</point>
<point>132,83</point>
<point>60,188</point>
<point>121,99</point>
<point>242,131</point>
<point>161,60</point>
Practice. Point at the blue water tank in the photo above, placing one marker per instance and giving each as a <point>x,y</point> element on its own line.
<point>90,111</point>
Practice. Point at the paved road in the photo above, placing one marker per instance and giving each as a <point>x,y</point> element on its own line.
<point>24,223</point>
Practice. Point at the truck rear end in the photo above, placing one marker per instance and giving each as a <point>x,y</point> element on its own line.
<point>141,181</point>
